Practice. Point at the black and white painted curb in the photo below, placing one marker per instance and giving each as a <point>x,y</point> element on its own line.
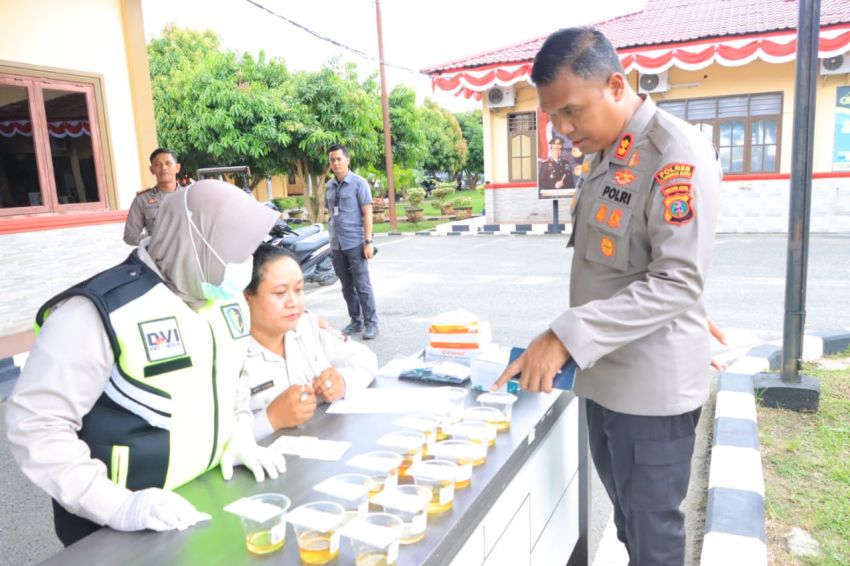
<point>734,518</point>
<point>466,229</point>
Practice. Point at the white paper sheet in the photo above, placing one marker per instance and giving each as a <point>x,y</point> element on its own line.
<point>393,400</point>
<point>311,447</point>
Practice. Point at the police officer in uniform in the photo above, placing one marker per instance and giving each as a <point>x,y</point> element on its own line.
<point>294,358</point>
<point>132,386</point>
<point>143,209</point>
<point>643,232</point>
<point>553,172</point>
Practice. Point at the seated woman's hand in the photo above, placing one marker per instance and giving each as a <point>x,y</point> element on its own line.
<point>292,407</point>
<point>330,385</point>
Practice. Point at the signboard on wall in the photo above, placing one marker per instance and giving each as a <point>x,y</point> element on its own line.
<point>841,145</point>
<point>558,162</point>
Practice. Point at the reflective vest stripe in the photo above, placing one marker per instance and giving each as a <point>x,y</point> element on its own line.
<point>119,464</point>
<point>156,403</point>
<point>152,417</point>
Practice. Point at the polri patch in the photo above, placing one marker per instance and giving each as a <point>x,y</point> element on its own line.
<point>235,320</point>
<point>624,145</point>
<point>162,339</point>
<point>678,204</point>
<point>674,171</point>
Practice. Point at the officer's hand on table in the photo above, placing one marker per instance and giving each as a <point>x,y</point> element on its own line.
<point>294,406</point>
<point>538,364</point>
<point>330,385</point>
<point>155,509</point>
<point>242,449</point>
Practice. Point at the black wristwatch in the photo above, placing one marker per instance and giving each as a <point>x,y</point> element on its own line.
<point>367,241</point>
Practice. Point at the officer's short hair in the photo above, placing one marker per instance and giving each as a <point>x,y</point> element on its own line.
<point>556,141</point>
<point>170,152</point>
<point>585,51</point>
<point>338,147</point>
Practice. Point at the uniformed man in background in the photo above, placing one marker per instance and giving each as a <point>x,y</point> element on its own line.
<point>643,231</point>
<point>143,209</point>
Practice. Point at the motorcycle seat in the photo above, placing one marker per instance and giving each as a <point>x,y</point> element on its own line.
<point>309,244</point>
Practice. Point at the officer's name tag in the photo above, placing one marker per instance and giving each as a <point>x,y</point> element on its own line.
<point>162,339</point>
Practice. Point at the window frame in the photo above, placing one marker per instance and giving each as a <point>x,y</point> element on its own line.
<point>532,156</point>
<point>35,86</point>
<point>749,120</point>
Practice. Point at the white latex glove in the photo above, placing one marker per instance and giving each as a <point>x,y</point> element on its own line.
<point>243,449</point>
<point>155,509</point>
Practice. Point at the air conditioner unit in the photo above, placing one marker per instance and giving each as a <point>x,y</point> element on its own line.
<point>653,83</point>
<point>501,97</point>
<point>837,65</point>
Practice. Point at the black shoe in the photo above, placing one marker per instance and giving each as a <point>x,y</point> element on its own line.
<point>353,328</point>
<point>371,332</point>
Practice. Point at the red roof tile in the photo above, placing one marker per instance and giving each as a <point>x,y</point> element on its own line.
<point>664,22</point>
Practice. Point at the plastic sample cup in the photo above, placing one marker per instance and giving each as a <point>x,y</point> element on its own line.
<point>317,527</point>
<point>408,503</point>
<point>502,401</point>
<point>409,443</point>
<point>381,466</point>
<point>453,409</point>
<point>465,454</point>
<point>424,423</point>
<point>487,415</point>
<point>474,431</point>
<point>264,522</point>
<point>438,476</point>
<point>374,538</point>
<point>351,491</point>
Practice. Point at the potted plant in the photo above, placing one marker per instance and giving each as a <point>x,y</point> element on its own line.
<point>296,207</point>
<point>442,194</point>
<point>379,210</point>
<point>463,207</point>
<point>415,196</point>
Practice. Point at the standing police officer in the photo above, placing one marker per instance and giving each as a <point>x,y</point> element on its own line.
<point>143,209</point>
<point>349,202</point>
<point>643,231</point>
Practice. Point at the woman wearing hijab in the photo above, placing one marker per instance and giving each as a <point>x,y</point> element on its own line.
<point>132,386</point>
<point>293,357</point>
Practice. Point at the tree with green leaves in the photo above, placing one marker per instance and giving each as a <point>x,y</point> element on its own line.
<point>334,106</point>
<point>408,138</point>
<point>446,148</point>
<point>472,127</point>
<point>220,108</point>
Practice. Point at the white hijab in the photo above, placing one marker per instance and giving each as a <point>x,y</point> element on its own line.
<point>232,222</point>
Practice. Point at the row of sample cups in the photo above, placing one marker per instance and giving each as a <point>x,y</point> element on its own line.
<point>375,537</point>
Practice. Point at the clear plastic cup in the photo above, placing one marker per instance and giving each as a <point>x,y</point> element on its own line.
<point>374,538</point>
<point>349,490</point>
<point>408,503</point>
<point>422,422</point>
<point>409,443</point>
<point>501,401</point>
<point>438,476</point>
<point>381,466</point>
<point>317,527</point>
<point>474,431</point>
<point>489,415</point>
<point>453,409</point>
<point>465,454</point>
<point>264,522</point>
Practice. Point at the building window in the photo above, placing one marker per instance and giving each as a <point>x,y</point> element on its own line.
<point>50,159</point>
<point>743,128</point>
<point>522,128</point>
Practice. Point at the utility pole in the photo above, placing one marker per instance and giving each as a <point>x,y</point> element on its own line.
<point>388,148</point>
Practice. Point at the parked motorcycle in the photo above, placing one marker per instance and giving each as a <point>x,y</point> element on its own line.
<point>311,246</point>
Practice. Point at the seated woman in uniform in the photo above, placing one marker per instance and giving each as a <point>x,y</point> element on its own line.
<point>294,360</point>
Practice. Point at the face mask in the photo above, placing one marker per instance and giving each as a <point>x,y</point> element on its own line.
<point>237,276</point>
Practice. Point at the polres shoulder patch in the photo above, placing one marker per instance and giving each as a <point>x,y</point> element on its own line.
<point>235,320</point>
<point>674,171</point>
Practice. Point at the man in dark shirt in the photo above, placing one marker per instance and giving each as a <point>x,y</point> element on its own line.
<point>349,204</point>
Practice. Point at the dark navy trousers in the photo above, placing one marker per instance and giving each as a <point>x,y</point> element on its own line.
<point>645,465</point>
<point>353,272</point>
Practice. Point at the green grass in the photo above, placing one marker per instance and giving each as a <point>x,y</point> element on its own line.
<point>430,207</point>
<point>806,461</point>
